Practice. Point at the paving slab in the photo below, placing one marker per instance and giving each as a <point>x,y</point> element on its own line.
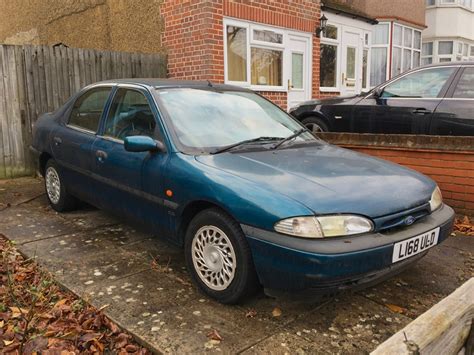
<point>144,285</point>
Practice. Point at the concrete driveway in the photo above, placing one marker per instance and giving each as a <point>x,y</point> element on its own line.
<point>148,291</point>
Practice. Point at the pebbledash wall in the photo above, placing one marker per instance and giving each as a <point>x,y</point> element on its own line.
<point>447,160</point>
<point>194,39</point>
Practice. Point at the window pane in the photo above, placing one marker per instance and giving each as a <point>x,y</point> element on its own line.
<point>378,66</point>
<point>425,83</point>
<point>427,48</point>
<point>407,37</point>
<point>236,53</point>
<point>444,60</point>
<point>88,108</point>
<point>426,61</point>
<point>330,32</point>
<point>464,88</point>
<point>266,67</point>
<point>267,36</point>
<point>350,62</point>
<point>472,50</point>
<point>430,2</point>
<point>416,59</point>
<point>459,48</point>
<point>328,65</point>
<point>365,56</point>
<point>380,35</point>
<point>445,47</point>
<point>297,70</point>
<point>417,40</point>
<point>397,35</point>
<point>130,115</point>
<point>406,60</point>
<point>465,49</point>
<point>396,61</point>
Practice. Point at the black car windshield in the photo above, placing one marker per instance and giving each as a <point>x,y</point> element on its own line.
<point>205,120</point>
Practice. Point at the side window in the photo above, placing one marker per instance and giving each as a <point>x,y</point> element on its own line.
<point>424,83</point>
<point>88,108</point>
<point>465,88</point>
<point>130,115</point>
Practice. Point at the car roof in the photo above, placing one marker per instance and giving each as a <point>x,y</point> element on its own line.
<point>445,64</point>
<point>169,83</point>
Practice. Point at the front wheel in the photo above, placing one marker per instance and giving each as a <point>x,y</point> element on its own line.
<point>219,258</point>
<point>58,197</point>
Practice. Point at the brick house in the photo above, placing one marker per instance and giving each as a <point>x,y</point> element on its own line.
<point>273,46</point>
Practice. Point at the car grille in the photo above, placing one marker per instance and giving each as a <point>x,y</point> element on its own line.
<point>402,219</point>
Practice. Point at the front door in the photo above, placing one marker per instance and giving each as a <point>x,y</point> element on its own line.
<point>299,85</point>
<point>125,189</point>
<point>351,63</point>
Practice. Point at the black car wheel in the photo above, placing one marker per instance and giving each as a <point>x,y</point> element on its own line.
<point>58,197</point>
<point>315,125</point>
<point>219,258</point>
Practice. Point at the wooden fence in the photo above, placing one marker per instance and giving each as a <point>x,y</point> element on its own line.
<point>38,79</point>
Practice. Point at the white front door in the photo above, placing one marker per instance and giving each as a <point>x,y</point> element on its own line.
<point>351,63</point>
<point>298,69</point>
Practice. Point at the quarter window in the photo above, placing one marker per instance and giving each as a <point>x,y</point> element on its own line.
<point>129,115</point>
<point>464,88</point>
<point>421,84</point>
<point>88,108</point>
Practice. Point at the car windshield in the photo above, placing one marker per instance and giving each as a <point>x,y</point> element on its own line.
<point>206,120</point>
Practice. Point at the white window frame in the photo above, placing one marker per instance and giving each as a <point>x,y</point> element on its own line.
<point>336,43</point>
<point>366,47</point>
<point>250,26</point>
<point>387,48</point>
<point>455,56</point>
<point>410,47</point>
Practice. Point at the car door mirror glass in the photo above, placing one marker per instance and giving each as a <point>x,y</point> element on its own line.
<point>142,144</point>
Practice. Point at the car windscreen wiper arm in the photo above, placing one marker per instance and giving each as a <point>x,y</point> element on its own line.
<point>294,135</point>
<point>231,146</point>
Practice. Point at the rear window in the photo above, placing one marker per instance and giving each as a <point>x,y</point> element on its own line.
<point>88,108</point>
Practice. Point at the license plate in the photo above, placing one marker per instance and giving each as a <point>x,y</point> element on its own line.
<point>415,245</point>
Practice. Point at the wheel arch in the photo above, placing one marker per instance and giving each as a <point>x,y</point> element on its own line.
<point>42,160</point>
<point>190,211</point>
<point>315,114</point>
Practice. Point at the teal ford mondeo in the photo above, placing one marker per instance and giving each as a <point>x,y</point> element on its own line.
<point>252,196</point>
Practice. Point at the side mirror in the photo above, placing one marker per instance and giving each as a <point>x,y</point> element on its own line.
<point>142,144</point>
<point>377,92</point>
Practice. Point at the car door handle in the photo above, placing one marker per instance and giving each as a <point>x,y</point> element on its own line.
<point>57,141</point>
<point>421,111</point>
<point>101,155</point>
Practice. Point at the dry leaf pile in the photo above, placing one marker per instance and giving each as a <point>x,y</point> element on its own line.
<point>464,226</point>
<point>38,317</point>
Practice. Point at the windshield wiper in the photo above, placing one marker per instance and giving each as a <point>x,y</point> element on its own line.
<point>253,140</point>
<point>289,138</point>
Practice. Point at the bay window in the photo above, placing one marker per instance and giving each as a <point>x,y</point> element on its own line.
<point>406,51</point>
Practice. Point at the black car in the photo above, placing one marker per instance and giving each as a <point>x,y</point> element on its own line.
<point>436,99</point>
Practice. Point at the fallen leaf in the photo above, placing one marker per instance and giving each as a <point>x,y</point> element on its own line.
<point>251,313</point>
<point>17,312</point>
<point>7,342</point>
<point>131,348</point>
<point>395,308</point>
<point>1,323</point>
<point>276,312</point>
<point>214,335</point>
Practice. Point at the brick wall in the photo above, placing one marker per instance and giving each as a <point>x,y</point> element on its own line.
<point>193,34</point>
<point>447,160</point>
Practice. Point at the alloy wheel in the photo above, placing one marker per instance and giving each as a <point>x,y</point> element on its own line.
<point>53,185</point>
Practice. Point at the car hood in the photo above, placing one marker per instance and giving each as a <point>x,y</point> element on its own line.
<point>329,179</point>
<point>335,100</point>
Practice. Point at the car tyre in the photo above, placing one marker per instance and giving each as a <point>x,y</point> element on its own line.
<point>218,257</point>
<point>315,124</point>
<point>56,192</point>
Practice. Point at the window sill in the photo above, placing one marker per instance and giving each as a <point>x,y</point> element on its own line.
<point>327,89</point>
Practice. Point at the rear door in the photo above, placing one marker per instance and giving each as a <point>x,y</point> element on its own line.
<point>131,181</point>
<point>406,104</point>
<point>455,114</point>
<point>72,141</point>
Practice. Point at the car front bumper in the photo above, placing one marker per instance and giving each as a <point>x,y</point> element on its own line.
<point>334,264</point>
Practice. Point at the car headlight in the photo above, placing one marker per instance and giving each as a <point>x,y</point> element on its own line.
<point>324,226</point>
<point>436,199</point>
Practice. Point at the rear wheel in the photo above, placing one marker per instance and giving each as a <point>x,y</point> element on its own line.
<point>315,124</point>
<point>58,197</point>
<point>219,258</point>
